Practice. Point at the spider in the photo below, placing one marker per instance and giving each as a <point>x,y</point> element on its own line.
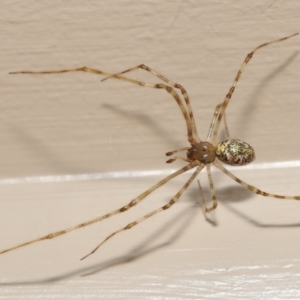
<point>200,154</point>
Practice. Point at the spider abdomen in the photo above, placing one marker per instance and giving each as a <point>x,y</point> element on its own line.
<point>235,152</point>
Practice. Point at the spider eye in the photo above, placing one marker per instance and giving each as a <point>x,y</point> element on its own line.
<point>235,152</point>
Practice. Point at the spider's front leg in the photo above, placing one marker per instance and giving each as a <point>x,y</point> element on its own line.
<point>190,117</point>
<point>82,69</point>
<point>220,108</point>
<point>187,113</point>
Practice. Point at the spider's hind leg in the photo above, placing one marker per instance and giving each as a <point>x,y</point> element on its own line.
<point>251,187</point>
<point>214,129</point>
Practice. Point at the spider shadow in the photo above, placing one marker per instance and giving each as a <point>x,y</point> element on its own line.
<point>43,151</point>
<point>235,194</point>
<point>182,221</point>
<point>232,194</point>
<point>251,105</point>
<point>255,222</point>
<point>227,197</point>
<point>146,120</point>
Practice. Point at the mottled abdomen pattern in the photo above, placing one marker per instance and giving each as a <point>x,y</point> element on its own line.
<point>235,152</point>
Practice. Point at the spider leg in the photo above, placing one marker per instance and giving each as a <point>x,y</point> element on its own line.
<point>215,116</point>
<point>213,122</point>
<point>173,84</point>
<point>251,187</point>
<point>177,150</point>
<point>132,203</point>
<point>82,69</point>
<point>212,192</point>
<point>216,124</point>
<point>192,137</point>
<point>226,126</point>
<point>178,157</point>
<point>167,206</point>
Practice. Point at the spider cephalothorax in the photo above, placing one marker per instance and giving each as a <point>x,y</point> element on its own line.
<point>204,152</point>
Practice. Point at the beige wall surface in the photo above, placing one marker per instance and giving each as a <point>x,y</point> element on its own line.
<point>73,148</point>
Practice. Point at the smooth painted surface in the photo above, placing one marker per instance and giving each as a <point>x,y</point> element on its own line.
<point>74,130</point>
